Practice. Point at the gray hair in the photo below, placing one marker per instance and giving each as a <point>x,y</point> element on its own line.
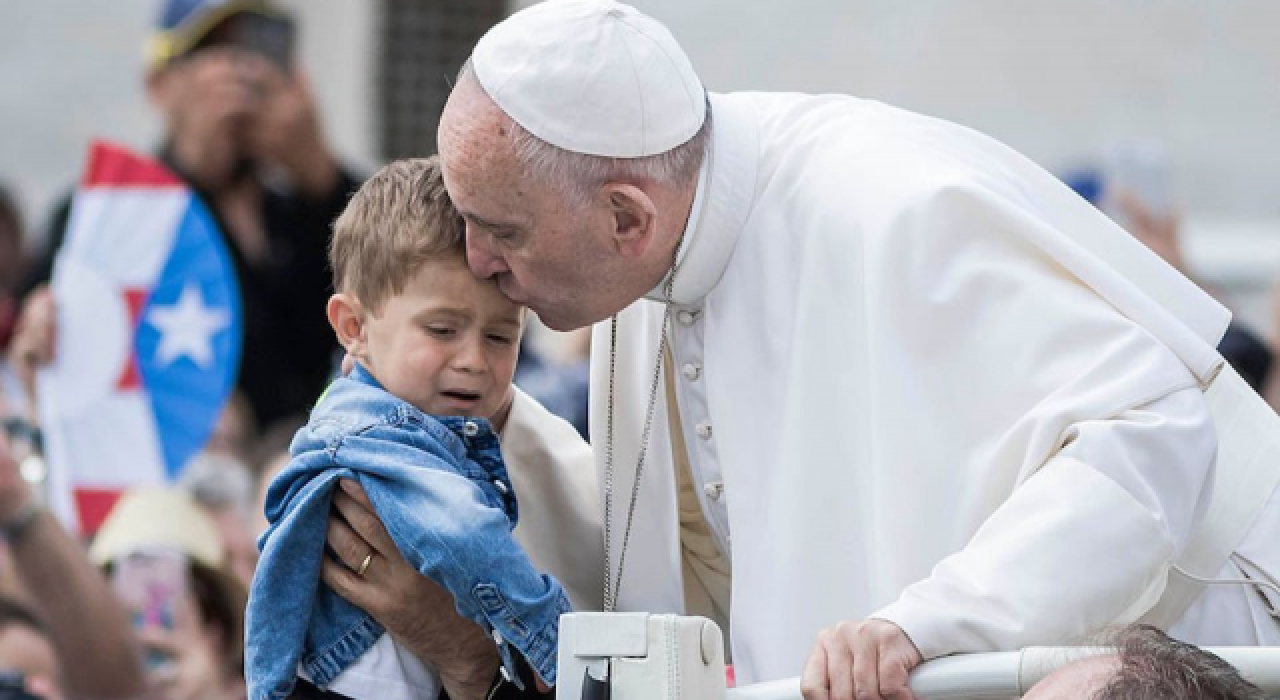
<point>577,175</point>
<point>1156,667</point>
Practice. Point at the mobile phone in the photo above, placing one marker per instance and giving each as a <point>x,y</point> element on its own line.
<point>152,583</point>
<point>269,36</point>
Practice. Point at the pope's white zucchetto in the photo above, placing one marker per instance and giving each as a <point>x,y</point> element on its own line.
<point>592,76</point>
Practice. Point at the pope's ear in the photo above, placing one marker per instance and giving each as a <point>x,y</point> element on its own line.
<point>635,218</point>
<point>346,315</point>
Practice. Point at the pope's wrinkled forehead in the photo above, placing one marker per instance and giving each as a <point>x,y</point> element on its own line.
<point>474,135</point>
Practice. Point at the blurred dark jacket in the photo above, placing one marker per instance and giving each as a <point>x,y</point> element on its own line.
<point>1247,353</point>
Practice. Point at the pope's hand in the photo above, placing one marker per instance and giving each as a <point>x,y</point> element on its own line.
<point>868,660</point>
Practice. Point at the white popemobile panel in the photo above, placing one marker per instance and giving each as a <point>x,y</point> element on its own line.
<point>672,657</point>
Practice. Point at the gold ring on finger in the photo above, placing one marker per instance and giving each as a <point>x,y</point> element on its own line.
<point>364,565</point>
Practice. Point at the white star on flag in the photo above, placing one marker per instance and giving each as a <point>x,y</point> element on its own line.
<point>187,328</point>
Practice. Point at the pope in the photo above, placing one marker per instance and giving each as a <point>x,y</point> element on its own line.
<point>868,387</point>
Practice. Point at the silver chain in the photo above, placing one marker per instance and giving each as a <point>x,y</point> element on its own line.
<point>612,584</point>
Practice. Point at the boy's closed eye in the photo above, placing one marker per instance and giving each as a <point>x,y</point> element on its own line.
<point>440,331</point>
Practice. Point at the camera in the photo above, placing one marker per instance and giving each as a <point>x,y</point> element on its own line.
<point>270,36</point>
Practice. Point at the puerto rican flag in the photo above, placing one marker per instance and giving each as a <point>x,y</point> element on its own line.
<point>149,335</point>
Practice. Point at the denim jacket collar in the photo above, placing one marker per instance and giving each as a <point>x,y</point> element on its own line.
<point>464,436</point>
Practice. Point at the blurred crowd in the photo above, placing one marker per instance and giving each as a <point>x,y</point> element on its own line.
<point>152,604</point>
<point>242,129</point>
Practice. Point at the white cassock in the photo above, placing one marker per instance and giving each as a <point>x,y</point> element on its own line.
<point>915,387</point>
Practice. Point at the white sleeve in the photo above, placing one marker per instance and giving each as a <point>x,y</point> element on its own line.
<point>1084,543</point>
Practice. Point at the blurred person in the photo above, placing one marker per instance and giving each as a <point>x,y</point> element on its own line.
<point>28,660</point>
<point>241,128</point>
<point>560,386</point>
<point>223,486</point>
<point>13,260</point>
<point>87,626</point>
<point>1147,665</point>
<point>922,398</point>
<point>195,649</point>
<point>1272,387</point>
<point>235,432</point>
<point>1248,353</point>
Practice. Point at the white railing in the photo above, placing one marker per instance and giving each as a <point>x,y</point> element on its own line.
<point>1010,674</point>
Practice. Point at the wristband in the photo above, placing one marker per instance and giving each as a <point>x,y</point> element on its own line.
<point>503,689</point>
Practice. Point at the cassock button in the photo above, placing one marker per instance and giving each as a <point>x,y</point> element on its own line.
<point>703,430</point>
<point>714,490</point>
<point>692,371</point>
<point>686,318</point>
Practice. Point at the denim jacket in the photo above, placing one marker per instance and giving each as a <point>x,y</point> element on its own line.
<point>442,491</point>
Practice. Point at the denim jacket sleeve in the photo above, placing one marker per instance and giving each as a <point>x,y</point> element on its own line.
<point>449,525</point>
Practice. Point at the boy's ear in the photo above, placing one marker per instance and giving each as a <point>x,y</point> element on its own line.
<point>346,315</point>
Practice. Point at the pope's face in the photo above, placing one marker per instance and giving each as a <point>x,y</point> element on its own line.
<point>544,251</point>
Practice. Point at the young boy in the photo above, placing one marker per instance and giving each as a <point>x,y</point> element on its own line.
<point>434,347</point>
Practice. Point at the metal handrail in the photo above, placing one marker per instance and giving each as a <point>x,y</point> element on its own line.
<point>1011,674</point>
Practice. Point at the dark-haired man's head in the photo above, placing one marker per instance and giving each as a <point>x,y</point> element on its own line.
<point>1147,665</point>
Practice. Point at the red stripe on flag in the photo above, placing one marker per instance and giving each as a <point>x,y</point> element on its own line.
<point>131,377</point>
<point>93,505</point>
<point>113,166</point>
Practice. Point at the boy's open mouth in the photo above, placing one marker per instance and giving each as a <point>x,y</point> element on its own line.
<point>461,395</point>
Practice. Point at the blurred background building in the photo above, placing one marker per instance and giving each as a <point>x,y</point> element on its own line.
<point>1063,82</point>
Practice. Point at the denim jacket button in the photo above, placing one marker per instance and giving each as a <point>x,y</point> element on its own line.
<point>470,429</point>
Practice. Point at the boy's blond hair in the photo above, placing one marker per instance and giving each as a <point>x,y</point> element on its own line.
<point>398,219</point>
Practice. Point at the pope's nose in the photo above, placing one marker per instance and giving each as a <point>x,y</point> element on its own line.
<point>482,261</point>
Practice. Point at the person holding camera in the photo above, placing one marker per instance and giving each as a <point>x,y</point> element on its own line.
<point>63,627</point>
<point>241,127</point>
